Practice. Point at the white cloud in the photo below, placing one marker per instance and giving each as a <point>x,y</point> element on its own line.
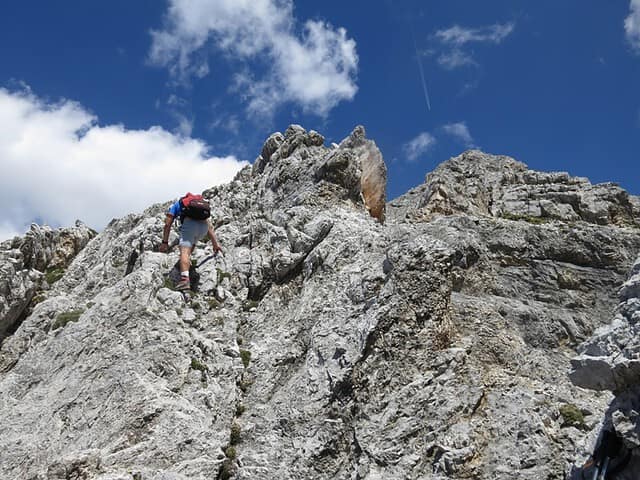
<point>453,40</point>
<point>59,164</point>
<point>185,124</point>
<point>632,25</point>
<point>226,122</point>
<point>176,107</point>
<point>455,59</point>
<point>459,36</point>
<point>420,145</point>
<point>315,68</point>
<point>460,131</point>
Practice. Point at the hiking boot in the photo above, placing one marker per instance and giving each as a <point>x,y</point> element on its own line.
<point>183,284</point>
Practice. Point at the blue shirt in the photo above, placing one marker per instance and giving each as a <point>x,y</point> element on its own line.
<point>175,209</point>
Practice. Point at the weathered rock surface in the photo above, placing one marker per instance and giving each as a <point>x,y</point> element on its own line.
<point>326,344</point>
<point>28,264</point>
<point>353,171</point>
<point>478,184</point>
<point>610,360</point>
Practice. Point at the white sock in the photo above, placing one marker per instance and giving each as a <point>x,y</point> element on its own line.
<point>185,274</point>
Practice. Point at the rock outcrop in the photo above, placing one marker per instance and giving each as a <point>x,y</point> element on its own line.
<point>478,184</point>
<point>353,170</point>
<point>610,360</point>
<point>31,263</point>
<point>327,344</point>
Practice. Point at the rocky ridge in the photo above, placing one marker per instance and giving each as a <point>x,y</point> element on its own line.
<point>327,344</point>
<point>31,264</point>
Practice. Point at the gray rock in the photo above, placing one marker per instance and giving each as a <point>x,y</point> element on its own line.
<point>326,344</point>
<point>610,360</point>
<point>271,144</point>
<point>486,185</point>
<point>31,263</point>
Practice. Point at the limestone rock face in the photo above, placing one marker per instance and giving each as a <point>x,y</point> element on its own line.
<point>354,171</point>
<point>24,262</point>
<point>326,344</point>
<point>485,185</point>
<point>610,360</point>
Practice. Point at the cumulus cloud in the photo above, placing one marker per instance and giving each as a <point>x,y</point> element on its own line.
<point>632,25</point>
<point>420,145</point>
<point>59,164</point>
<point>314,66</point>
<point>460,131</point>
<point>453,41</point>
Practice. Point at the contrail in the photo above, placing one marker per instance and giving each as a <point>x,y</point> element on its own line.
<point>424,83</point>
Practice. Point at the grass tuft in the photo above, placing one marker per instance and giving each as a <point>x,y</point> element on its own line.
<point>234,435</point>
<point>230,453</point>
<point>63,318</point>
<point>52,275</point>
<point>221,275</point>
<point>572,416</point>
<point>198,365</point>
<point>245,355</point>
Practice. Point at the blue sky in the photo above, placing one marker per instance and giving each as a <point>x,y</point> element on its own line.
<point>127,103</point>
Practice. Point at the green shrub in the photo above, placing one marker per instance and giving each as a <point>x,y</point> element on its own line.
<point>245,355</point>
<point>221,275</point>
<point>234,435</point>
<point>572,416</point>
<point>240,408</point>
<point>227,470</point>
<point>37,299</point>
<point>63,318</point>
<point>198,365</point>
<point>230,453</point>
<point>52,275</point>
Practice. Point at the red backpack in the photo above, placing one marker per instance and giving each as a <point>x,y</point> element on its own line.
<point>194,206</point>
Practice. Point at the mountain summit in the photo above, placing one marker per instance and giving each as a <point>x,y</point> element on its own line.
<point>437,336</point>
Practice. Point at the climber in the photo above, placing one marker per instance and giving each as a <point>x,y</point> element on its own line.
<point>193,212</point>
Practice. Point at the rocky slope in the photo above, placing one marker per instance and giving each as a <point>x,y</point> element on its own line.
<point>336,338</point>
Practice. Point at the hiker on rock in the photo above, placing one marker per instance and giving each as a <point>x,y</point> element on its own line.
<point>194,212</point>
